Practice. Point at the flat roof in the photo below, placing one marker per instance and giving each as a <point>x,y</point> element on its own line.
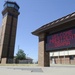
<point>54,23</point>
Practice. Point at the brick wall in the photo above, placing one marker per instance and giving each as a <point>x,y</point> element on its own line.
<point>43,56</point>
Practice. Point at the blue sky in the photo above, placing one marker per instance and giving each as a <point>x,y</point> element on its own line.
<point>34,14</point>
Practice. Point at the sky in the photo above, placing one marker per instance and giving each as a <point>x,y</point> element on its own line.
<point>34,14</point>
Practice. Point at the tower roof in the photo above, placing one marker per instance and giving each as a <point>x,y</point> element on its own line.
<point>10,2</point>
<point>11,8</point>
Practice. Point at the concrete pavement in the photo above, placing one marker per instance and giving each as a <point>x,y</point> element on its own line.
<point>23,70</point>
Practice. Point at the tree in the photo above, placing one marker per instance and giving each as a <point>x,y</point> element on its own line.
<point>20,55</point>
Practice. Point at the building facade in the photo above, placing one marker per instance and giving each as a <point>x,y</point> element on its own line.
<point>28,60</point>
<point>63,57</point>
<point>8,31</point>
<point>57,41</point>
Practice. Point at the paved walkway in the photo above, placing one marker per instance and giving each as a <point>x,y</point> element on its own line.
<point>53,70</point>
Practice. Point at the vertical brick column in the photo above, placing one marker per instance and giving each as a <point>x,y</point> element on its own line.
<point>4,61</point>
<point>43,56</point>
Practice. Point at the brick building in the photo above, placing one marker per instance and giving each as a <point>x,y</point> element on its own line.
<point>57,40</point>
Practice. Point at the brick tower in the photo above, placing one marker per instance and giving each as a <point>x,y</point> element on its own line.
<point>8,31</point>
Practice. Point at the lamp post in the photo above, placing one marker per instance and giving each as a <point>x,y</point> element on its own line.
<point>27,58</point>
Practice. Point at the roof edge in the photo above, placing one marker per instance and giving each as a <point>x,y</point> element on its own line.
<point>54,23</point>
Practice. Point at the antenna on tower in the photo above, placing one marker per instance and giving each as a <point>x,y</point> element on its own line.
<point>7,0</point>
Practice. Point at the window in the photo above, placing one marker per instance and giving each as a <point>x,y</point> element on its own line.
<point>16,7</point>
<point>71,57</point>
<point>10,5</point>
